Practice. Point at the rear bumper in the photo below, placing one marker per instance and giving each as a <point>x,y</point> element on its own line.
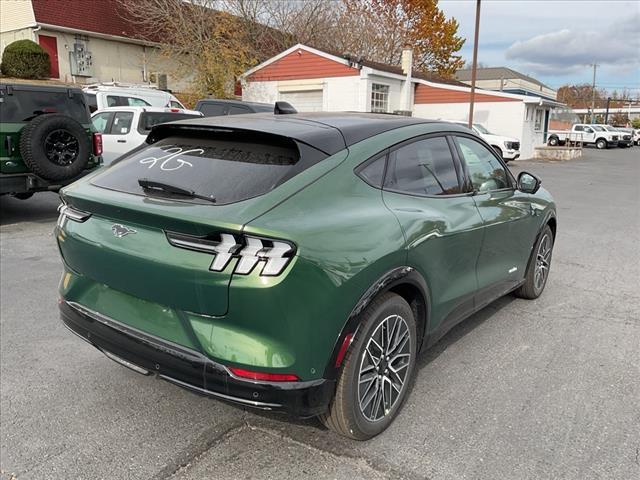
<point>190,369</point>
<point>28,182</point>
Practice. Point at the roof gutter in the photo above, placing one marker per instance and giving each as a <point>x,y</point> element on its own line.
<point>104,36</point>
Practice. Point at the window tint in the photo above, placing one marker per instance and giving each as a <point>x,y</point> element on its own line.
<point>229,167</point>
<point>175,104</point>
<point>23,105</point>
<point>238,109</point>
<point>373,172</point>
<point>120,101</point>
<point>92,101</point>
<point>213,109</point>
<point>424,167</point>
<point>137,102</point>
<point>485,171</point>
<point>578,128</point>
<point>121,123</point>
<point>149,119</point>
<point>101,120</point>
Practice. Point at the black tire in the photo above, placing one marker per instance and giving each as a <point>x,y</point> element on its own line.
<point>23,195</point>
<point>553,141</point>
<point>345,415</point>
<point>601,144</point>
<point>55,147</point>
<point>532,287</point>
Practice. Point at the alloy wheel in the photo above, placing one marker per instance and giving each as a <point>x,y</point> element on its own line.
<point>384,368</point>
<point>543,262</point>
<point>61,147</point>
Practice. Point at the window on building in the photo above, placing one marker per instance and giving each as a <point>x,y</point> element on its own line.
<point>379,98</point>
<point>539,116</point>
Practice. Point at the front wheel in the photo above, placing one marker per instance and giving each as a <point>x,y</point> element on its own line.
<point>553,141</point>
<point>377,371</point>
<point>538,267</point>
<point>601,144</point>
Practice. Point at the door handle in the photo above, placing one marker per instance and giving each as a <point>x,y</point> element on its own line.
<point>121,141</point>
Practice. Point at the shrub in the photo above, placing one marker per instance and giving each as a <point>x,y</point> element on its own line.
<point>25,59</point>
<point>635,123</point>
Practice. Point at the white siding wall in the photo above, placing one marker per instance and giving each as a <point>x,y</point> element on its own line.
<point>501,118</point>
<point>16,15</point>
<point>116,61</point>
<point>344,94</point>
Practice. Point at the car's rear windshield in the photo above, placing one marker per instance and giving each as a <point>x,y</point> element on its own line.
<point>228,168</point>
<point>23,105</point>
<point>150,119</point>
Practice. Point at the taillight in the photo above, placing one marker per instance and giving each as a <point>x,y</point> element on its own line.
<point>67,212</point>
<point>273,255</point>
<point>97,144</point>
<point>263,376</point>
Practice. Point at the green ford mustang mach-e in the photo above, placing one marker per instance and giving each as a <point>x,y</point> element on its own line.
<point>297,262</point>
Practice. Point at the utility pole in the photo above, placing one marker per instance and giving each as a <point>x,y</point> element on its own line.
<point>474,66</point>
<point>593,92</point>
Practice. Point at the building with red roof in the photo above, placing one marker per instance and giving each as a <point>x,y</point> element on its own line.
<point>88,41</point>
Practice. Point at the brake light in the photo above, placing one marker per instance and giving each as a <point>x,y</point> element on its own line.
<point>97,144</point>
<point>264,376</point>
<point>274,255</point>
<point>174,109</point>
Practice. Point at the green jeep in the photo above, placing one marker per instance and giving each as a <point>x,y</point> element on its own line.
<point>46,138</point>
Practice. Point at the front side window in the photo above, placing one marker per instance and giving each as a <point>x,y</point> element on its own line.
<point>121,123</point>
<point>424,167</point>
<point>485,170</point>
<point>379,98</point>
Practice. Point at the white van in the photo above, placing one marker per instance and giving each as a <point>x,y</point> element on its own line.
<point>103,96</point>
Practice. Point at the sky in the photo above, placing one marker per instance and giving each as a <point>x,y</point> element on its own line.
<point>555,41</point>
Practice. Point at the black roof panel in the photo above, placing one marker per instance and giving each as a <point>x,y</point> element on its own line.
<point>327,131</point>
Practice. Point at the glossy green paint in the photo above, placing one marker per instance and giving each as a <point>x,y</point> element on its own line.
<point>348,235</point>
<point>10,159</point>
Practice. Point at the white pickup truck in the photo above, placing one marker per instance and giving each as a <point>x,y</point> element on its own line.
<point>587,134</point>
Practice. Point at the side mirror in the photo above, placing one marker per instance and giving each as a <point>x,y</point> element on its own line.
<point>528,182</point>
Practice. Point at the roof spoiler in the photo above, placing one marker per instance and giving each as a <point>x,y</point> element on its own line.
<point>283,108</point>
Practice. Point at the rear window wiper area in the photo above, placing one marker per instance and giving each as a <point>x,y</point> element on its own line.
<point>168,189</point>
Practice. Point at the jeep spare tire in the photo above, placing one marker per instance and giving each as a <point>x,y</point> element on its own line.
<point>55,147</point>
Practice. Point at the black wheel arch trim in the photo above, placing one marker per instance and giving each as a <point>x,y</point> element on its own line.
<point>393,278</point>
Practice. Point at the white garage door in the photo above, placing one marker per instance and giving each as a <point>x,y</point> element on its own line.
<point>307,101</point>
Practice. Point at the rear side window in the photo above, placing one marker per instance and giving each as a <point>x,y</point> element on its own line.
<point>122,101</point>
<point>121,123</point>
<point>230,168</point>
<point>424,167</point>
<point>238,109</point>
<point>92,101</point>
<point>213,109</point>
<point>24,105</point>
<point>101,121</point>
<point>372,171</point>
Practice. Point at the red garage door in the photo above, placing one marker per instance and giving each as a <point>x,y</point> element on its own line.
<point>50,44</point>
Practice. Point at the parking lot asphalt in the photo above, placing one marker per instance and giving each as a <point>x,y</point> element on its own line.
<point>523,389</point>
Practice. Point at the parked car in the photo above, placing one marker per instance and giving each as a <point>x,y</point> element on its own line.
<point>584,133</point>
<point>214,107</point>
<point>46,138</point>
<point>507,147</point>
<point>125,128</point>
<point>635,134</point>
<point>101,96</point>
<point>624,138</point>
<point>298,265</point>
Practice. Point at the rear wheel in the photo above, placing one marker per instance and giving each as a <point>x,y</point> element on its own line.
<point>55,147</point>
<point>377,371</point>
<point>538,267</point>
